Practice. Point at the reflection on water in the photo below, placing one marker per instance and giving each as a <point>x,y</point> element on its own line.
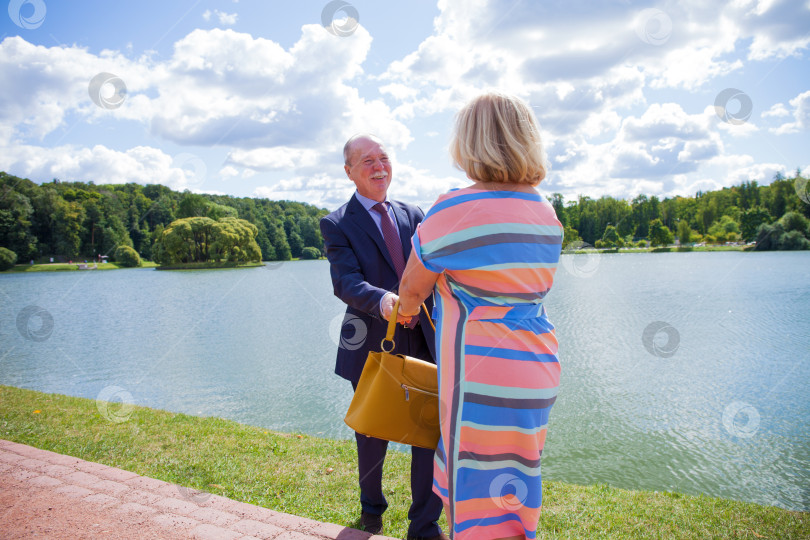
<point>685,372</point>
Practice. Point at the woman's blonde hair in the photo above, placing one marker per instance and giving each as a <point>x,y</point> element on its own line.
<point>497,139</point>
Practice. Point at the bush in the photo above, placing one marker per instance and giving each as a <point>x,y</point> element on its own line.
<point>127,257</point>
<point>310,253</point>
<point>7,259</point>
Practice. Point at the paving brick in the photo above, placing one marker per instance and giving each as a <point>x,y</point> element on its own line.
<point>174,521</point>
<point>257,528</point>
<point>214,517</point>
<point>56,470</point>
<point>106,472</point>
<point>135,508</point>
<point>59,459</point>
<point>140,496</point>
<point>144,482</point>
<point>81,479</point>
<point>288,521</point>
<point>220,503</point>
<point>212,532</point>
<point>176,506</point>
<point>110,487</point>
<point>101,500</point>
<point>4,444</point>
<point>259,513</point>
<point>33,464</point>
<point>23,474</point>
<point>30,452</point>
<point>44,481</point>
<point>326,530</point>
<point>73,491</point>
<point>9,457</point>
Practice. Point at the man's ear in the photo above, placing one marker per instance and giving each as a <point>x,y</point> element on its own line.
<point>348,170</point>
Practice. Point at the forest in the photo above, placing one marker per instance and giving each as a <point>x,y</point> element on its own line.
<point>77,220</point>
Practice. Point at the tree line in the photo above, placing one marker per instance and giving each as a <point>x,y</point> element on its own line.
<point>774,216</point>
<point>77,220</point>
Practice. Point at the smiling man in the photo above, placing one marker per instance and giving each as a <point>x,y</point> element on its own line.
<point>367,242</point>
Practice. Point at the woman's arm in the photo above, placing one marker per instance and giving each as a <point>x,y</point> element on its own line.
<point>416,285</point>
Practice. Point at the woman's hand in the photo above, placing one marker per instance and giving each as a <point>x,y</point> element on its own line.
<point>416,285</point>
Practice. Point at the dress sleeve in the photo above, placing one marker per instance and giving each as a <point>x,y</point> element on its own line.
<point>417,249</point>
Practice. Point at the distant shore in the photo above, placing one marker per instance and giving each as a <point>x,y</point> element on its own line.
<point>81,267</point>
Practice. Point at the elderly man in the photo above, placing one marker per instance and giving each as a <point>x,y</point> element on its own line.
<point>367,241</point>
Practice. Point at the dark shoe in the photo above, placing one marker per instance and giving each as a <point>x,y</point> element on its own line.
<point>440,536</point>
<point>371,523</point>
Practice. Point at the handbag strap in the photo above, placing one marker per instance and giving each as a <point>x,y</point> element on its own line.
<point>392,324</point>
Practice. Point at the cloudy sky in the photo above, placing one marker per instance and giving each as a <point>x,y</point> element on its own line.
<point>256,97</point>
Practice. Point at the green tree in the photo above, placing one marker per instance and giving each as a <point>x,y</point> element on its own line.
<point>660,235</point>
<point>684,232</point>
<point>310,253</point>
<point>751,219</point>
<point>235,241</point>
<point>7,259</point>
<point>127,256</point>
<point>193,205</point>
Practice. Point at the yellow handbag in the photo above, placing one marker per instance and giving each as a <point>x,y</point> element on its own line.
<point>397,397</point>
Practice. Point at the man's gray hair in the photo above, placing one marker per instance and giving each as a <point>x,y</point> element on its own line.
<point>347,148</point>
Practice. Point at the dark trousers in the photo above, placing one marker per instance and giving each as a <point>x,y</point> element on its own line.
<point>426,506</point>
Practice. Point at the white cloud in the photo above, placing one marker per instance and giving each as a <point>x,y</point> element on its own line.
<point>225,19</point>
<point>801,115</point>
<point>102,165</point>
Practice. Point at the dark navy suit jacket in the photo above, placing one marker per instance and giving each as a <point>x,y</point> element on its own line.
<point>362,272</point>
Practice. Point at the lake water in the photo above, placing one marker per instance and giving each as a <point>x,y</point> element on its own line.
<point>685,372</point>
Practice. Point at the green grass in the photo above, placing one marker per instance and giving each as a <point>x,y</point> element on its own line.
<point>317,478</point>
<point>66,267</point>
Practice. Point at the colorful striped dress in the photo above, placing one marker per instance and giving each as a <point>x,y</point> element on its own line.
<point>497,354</point>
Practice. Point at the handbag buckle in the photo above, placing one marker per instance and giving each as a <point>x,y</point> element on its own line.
<point>382,345</point>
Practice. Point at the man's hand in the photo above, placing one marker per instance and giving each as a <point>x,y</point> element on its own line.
<point>387,306</point>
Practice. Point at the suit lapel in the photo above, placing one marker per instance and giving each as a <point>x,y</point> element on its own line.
<point>404,227</point>
<point>365,223</point>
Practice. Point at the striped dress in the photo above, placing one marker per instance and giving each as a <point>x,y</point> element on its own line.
<point>497,354</point>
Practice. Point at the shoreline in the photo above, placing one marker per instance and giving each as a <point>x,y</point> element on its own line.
<point>317,478</point>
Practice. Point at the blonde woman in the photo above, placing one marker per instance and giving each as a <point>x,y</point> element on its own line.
<point>489,251</point>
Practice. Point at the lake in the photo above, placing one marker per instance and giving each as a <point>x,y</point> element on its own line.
<point>684,372</point>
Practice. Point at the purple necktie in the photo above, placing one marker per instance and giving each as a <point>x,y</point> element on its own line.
<point>391,237</point>
<point>394,246</point>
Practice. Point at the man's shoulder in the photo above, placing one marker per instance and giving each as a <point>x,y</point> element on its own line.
<point>407,207</point>
<point>338,214</point>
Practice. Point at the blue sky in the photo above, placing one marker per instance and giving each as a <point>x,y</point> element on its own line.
<point>256,98</point>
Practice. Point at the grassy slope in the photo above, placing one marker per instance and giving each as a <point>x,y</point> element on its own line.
<point>317,478</point>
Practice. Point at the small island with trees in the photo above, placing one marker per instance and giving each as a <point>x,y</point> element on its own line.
<point>132,224</point>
